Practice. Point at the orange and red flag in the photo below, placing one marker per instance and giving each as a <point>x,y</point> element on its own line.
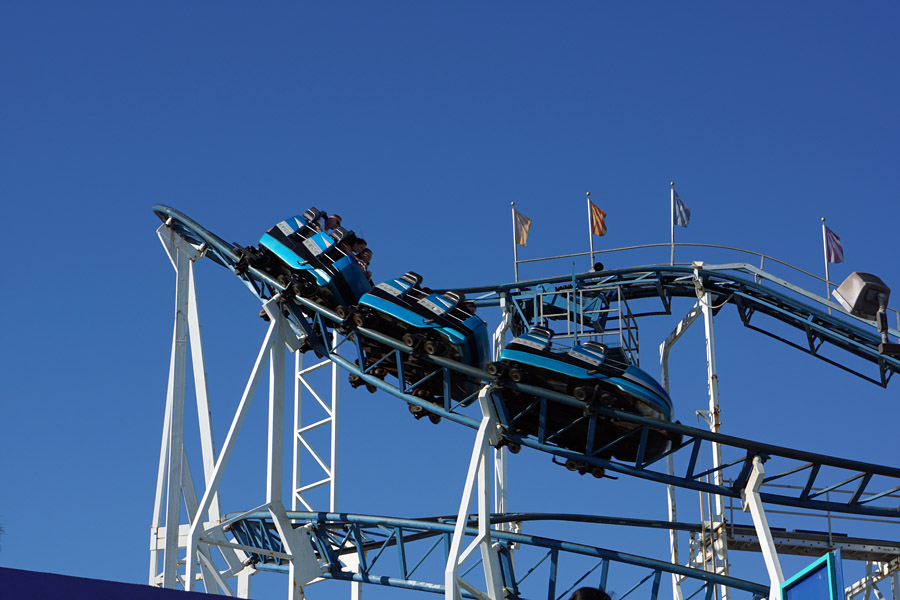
<point>598,220</point>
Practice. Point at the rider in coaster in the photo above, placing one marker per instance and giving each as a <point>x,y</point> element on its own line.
<point>364,258</point>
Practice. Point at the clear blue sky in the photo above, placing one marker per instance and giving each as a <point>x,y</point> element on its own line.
<point>419,122</point>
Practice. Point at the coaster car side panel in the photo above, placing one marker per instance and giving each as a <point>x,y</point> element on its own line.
<point>311,257</point>
<point>591,376</point>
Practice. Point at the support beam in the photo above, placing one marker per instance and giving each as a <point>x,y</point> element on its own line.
<point>182,256</point>
<point>719,547</point>
<point>664,350</point>
<point>477,476</point>
<point>752,502</point>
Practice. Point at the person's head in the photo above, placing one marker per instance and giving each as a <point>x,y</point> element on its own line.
<point>333,222</point>
<point>366,255</point>
<point>359,245</point>
<point>589,593</point>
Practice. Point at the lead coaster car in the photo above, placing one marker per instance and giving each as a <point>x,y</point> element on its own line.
<point>311,262</point>
<point>594,374</point>
<point>433,323</point>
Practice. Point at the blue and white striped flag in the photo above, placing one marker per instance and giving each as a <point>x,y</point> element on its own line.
<point>682,212</point>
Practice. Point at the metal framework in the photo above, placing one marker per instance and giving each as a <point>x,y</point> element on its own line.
<point>197,543</point>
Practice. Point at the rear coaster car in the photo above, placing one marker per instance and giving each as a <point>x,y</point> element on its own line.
<point>429,322</point>
<point>312,262</point>
<point>594,374</point>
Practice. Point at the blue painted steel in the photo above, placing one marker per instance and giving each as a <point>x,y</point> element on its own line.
<point>373,535</point>
<point>596,375</point>
<point>872,495</point>
<point>429,324</point>
<point>315,257</point>
<point>424,312</point>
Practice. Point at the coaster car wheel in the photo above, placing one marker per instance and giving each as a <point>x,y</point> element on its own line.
<point>304,288</point>
<point>410,340</point>
<point>435,347</point>
<point>434,418</point>
<point>598,472</point>
<point>364,318</point>
<point>609,400</point>
<point>580,394</point>
<point>516,375</point>
<point>495,368</point>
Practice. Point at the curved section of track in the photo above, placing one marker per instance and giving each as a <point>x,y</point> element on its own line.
<point>394,552</point>
<point>870,489</point>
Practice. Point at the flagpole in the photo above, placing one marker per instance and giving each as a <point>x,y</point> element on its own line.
<point>672,222</point>
<point>515,250</point>
<point>825,254</point>
<point>590,230</point>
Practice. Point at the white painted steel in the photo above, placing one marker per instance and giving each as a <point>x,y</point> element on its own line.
<point>335,399</point>
<point>664,350</point>
<point>204,416</point>
<point>303,443</point>
<point>719,554</point>
<point>303,566</point>
<point>753,503</point>
<point>228,447</point>
<point>874,574</point>
<point>501,455</point>
<point>295,461</point>
<point>486,436</point>
<point>175,434</point>
<point>275,447</point>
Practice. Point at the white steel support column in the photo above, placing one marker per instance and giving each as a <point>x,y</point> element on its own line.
<point>501,455</point>
<point>169,475</point>
<point>664,350</point>
<point>275,448</point>
<point>325,457</point>
<point>875,573</point>
<point>174,482</point>
<point>752,502</point>
<point>719,545</point>
<point>212,487</point>
<point>335,398</point>
<point>477,476</point>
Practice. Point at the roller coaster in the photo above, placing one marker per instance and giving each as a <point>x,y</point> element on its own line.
<point>585,402</point>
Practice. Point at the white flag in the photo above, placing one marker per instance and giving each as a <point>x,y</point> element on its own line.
<point>682,212</point>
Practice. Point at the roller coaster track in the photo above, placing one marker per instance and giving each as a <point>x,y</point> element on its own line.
<point>814,474</point>
<point>811,478</point>
<point>390,551</point>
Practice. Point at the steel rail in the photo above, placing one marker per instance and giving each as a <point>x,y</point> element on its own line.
<point>811,468</point>
<point>370,534</point>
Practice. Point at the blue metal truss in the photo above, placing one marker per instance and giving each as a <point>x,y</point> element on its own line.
<point>394,552</point>
<point>873,486</point>
<point>813,477</point>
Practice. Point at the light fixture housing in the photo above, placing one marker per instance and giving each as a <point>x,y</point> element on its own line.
<point>865,295</point>
<point>859,294</point>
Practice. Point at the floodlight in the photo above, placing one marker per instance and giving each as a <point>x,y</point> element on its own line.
<point>865,295</point>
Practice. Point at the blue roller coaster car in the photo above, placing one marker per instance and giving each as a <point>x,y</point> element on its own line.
<point>440,324</point>
<point>593,373</point>
<point>311,262</point>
